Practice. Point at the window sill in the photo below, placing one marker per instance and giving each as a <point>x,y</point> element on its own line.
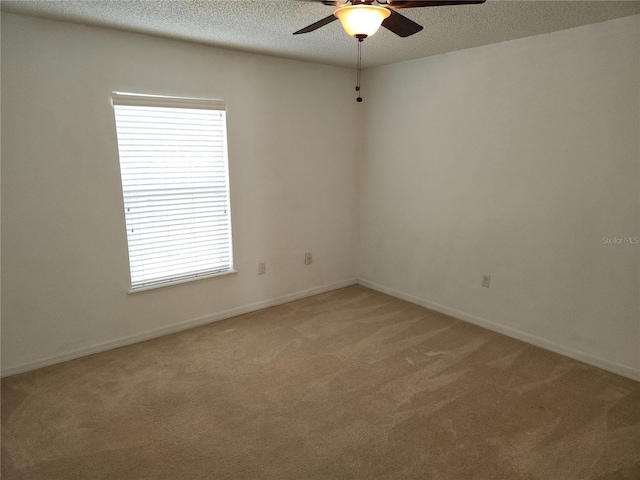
<point>181,282</point>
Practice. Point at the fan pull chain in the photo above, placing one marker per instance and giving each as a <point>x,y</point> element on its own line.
<point>359,69</point>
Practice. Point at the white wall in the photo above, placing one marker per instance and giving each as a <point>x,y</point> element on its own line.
<point>64,254</point>
<point>513,160</point>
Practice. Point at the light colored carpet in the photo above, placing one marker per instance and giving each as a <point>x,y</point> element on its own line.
<point>352,384</point>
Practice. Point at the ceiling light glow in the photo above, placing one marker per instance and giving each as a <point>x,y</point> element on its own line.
<point>361,21</point>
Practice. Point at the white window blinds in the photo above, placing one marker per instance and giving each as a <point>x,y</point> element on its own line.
<point>175,184</point>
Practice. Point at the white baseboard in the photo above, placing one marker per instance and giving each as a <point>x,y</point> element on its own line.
<point>158,332</point>
<point>510,332</point>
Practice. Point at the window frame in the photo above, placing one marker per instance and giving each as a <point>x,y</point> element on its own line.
<point>218,160</point>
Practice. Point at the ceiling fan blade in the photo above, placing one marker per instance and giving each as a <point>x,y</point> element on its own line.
<point>401,25</point>
<point>430,3</point>
<point>318,24</point>
<point>333,3</point>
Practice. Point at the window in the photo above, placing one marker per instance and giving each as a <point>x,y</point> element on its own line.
<point>175,185</point>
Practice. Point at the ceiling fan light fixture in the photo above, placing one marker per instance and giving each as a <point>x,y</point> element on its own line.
<point>361,21</point>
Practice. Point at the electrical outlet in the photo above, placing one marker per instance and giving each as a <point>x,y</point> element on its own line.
<point>262,267</point>
<point>486,280</point>
<point>307,258</point>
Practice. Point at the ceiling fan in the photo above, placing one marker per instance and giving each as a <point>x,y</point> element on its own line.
<point>362,18</point>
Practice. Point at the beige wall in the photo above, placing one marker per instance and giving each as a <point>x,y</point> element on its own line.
<point>64,252</point>
<point>513,160</point>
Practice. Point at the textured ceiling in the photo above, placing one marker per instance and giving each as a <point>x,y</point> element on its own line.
<point>266,26</point>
